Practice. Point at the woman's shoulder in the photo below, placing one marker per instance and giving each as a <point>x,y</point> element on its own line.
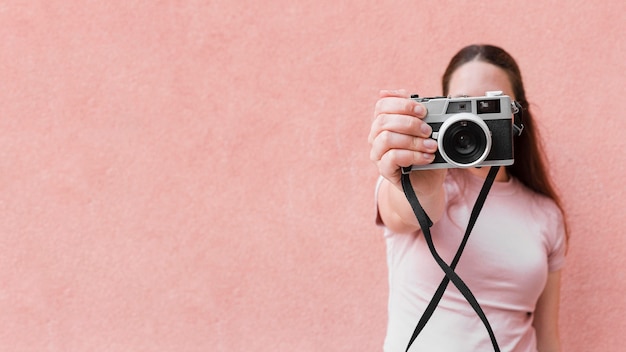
<point>462,183</point>
<point>537,200</point>
<point>543,210</point>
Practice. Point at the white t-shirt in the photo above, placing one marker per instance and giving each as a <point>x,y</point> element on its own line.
<point>518,238</point>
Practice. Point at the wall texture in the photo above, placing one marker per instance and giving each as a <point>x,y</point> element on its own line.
<point>194,176</point>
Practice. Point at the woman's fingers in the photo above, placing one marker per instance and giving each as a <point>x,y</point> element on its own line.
<point>387,141</point>
<point>398,136</point>
<point>390,163</point>
<point>398,123</point>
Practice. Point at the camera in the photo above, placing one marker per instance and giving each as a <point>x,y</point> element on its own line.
<point>471,131</point>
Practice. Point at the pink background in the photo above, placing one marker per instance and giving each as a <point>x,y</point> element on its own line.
<point>194,175</point>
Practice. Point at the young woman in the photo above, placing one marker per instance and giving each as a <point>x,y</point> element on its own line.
<point>513,259</point>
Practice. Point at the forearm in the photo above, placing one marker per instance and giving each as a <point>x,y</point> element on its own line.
<point>396,212</point>
<point>546,315</point>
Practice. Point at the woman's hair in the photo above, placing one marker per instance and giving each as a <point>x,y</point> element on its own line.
<point>530,164</point>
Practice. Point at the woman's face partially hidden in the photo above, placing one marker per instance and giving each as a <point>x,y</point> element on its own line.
<point>477,77</point>
<point>474,79</point>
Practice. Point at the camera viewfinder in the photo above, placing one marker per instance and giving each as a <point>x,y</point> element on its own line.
<point>459,106</point>
<point>488,106</point>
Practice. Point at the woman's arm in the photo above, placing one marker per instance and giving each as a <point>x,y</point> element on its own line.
<point>546,317</point>
<point>398,138</point>
<point>395,210</point>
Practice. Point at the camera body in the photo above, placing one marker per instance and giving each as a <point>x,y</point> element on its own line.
<point>470,131</point>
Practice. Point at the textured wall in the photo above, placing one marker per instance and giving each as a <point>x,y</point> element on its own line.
<point>194,175</point>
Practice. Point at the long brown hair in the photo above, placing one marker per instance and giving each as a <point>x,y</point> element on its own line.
<point>530,164</point>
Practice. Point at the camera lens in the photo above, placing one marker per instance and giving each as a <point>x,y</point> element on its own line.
<point>464,143</point>
<point>464,140</point>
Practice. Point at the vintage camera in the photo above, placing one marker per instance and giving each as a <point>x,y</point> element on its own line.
<point>471,131</point>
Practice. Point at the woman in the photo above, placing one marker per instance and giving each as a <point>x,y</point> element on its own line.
<point>513,260</point>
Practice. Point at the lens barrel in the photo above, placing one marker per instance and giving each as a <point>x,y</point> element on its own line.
<point>464,140</point>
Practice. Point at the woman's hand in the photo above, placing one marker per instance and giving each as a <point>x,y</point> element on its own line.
<point>399,138</point>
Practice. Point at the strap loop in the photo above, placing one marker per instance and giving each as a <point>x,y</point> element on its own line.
<point>450,275</point>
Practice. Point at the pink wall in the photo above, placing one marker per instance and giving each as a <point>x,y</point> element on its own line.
<point>194,176</point>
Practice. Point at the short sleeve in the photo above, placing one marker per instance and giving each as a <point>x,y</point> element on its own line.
<point>379,220</point>
<point>558,244</point>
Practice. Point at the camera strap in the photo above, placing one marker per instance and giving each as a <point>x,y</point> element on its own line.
<point>450,275</point>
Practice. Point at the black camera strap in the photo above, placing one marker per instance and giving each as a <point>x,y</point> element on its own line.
<point>425,224</point>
